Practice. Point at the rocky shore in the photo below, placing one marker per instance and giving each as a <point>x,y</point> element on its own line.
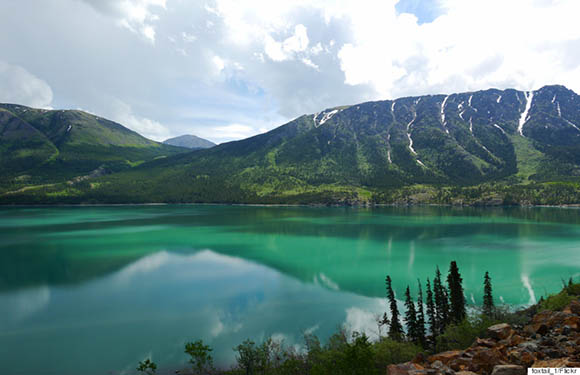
<point>549,339</point>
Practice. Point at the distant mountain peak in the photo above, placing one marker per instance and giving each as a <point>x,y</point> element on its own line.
<point>189,141</point>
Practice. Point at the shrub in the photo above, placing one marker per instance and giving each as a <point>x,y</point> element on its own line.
<point>463,334</point>
<point>388,351</point>
<point>200,360</point>
<point>556,301</point>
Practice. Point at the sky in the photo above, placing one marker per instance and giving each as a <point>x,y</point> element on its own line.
<point>229,69</point>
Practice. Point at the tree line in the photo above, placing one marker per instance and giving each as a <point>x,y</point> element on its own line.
<point>444,305</point>
<point>437,317</point>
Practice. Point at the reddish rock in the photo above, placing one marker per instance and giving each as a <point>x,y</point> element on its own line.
<point>537,328</point>
<point>573,307</point>
<point>488,343</point>
<point>461,363</point>
<point>521,357</point>
<point>572,321</point>
<point>558,362</point>
<point>508,370</point>
<point>500,331</point>
<point>445,357</point>
<point>515,340</point>
<point>484,359</point>
<point>542,317</point>
<point>403,368</point>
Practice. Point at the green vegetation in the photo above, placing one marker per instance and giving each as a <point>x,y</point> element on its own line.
<point>200,358</point>
<point>40,147</point>
<point>558,301</point>
<point>361,155</point>
<point>488,305</point>
<point>147,367</point>
<point>344,355</point>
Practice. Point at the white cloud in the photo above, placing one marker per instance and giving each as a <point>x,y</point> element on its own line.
<point>17,85</point>
<point>123,114</point>
<point>137,16</point>
<point>474,45</point>
<point>228,132</point>
<point>289,48</point>
<point>219,63</point>
<point>262,62</point>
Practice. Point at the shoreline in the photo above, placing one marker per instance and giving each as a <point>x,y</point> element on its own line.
<point>311,205</point>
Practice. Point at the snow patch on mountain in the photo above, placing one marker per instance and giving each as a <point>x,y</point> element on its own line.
<point>524,117</point>
<point>325,117</point>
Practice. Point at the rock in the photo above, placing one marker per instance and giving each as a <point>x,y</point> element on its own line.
<point>445,357</point>
<point>531,346</point>
<point>539,328</point>
<point>572,321</point>
<point>560,362</point>
<point>461,363</point>
<point>542,317</point>
<point>574,307</point>
<point>508,370</point>
<point>441,368</point>
<point>500,331</point>
<point>465,373</point>
<point>488,343</point>
<point>521,357</point>
<point>403,368</point>
<point>515,340</point>
<point>484,359</point>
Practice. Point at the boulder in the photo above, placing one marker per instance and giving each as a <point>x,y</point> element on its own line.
<point>508,370</point>
<point>559,362</point>
<point>461,363</point>
<point>572,322</point>
<point>441,368</point>
<point>573,307</point>
<point>500,331</point>
<point>484,360</point>
<point>521,357</point>
<point>515,340</point>
<point>488,343</point>
<point>403,368</point>
<point>445,357</point>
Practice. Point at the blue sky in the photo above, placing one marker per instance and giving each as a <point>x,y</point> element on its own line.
<point>229,69</point>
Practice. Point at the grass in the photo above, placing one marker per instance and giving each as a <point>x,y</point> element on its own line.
<point>528,158</point>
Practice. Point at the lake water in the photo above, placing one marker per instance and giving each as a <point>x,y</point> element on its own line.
<point>94,290</point>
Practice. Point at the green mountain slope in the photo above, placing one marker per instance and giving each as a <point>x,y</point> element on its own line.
<point>377,151</point>
<point>40,146</point>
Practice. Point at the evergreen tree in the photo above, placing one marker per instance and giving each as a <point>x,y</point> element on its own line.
<point>411,318</point>
<point>420,316</point>
<point>488,306</point>
<point>431,311</point>
<point>395,328</point>
<point>441,303</point>
<point>457,298</point>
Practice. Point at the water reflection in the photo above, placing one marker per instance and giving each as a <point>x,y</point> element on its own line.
<point>154,305</point>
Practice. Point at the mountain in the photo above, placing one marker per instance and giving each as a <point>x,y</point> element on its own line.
<point>431,148</point>
<point>189,141</point>
<point>40,146</point>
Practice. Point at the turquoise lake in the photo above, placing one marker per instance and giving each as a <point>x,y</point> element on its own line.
<point>94,290</point>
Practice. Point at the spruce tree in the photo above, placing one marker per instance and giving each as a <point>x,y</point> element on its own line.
<point>488,306</point>
<point>395,327</point>
<point>411,317</point>
<point>431,311</point>
<point>441,302</point>
<point>457,298</point>
<point>420,316</point>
